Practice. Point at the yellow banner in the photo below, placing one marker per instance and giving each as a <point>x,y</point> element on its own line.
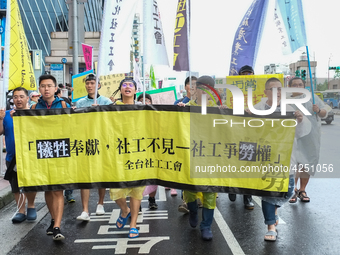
<point>109,84</point>
<point>21,72</point>
<point>78,84</point>
<point>243,82</point>
<point>119,146</point>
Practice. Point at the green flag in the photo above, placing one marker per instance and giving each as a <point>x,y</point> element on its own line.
<point>152,78</point>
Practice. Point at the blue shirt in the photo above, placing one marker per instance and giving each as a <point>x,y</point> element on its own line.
<point>9,136</point>
<point>183,100</point>
<point>87,101</point>
<point>55,104</point>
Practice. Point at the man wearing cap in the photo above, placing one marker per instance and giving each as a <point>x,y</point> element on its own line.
<point>246,70</point>
<point>34,96</point>
<point>247,199</point>
<point>90,85</point>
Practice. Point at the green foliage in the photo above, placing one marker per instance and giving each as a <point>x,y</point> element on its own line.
<point>322,86</point>
<point>337,74</point>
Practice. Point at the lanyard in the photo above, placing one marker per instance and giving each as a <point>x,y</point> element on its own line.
<point>48,107</point>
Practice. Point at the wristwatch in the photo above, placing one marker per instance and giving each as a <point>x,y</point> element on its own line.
<point>319,111</point>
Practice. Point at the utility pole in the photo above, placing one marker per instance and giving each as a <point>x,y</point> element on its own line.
<point>76,31</point>
<point>75,37</point>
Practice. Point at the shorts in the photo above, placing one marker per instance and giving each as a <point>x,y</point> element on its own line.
<point>135,192</point>
<point>14,180</point>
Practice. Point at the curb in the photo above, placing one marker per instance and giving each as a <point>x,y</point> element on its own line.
<point>6,196</point>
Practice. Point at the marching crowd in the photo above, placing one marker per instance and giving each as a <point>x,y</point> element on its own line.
<point>305,151</point>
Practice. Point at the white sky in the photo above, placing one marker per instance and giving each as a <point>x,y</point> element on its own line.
<point>214,24</point>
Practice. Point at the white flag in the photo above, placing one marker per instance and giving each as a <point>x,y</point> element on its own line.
<point>136,76</point>
<point>154,43</point>
<point>115,39</point>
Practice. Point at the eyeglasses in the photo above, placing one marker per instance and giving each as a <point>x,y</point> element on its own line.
<point>131,85</point>
<point>47,86</point>
<point>278,89</point>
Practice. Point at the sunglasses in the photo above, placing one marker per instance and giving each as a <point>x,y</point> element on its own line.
<point>125,85</point>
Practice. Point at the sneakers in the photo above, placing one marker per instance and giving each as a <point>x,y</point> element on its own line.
<point>248,204</point>
<point>206,234</point>
<point>100,210</point>
<point>49,230</point>
<point>152,203</point>
<point>232,197</point>
<point>70,198</point>
<point>173,192</point>
<point>183,208</point>
<point>18,218</point>
<point>57,235</point>
<point>84,216</point>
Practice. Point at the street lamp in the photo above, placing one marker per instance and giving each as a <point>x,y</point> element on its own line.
<point>329,60</point>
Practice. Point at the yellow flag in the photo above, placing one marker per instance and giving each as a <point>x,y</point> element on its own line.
<point>20,72</point>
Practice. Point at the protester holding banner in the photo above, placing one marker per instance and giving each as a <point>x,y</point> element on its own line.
<point>187,97</point>
<point>54,199</point>
<point>309,146</point>
<point>191,197</point>
<point>128,89</point>
<point>90,85</point>
<point>150,190</point>
<point>20,99</point>
<point>247,199</point>
<point>271,204</point>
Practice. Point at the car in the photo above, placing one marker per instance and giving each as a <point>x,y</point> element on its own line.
<point>329,118</point>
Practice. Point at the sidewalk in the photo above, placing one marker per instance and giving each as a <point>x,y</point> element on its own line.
<point>6,195</point>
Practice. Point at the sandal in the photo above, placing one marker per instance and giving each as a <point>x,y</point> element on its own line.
<point>303,196</point>
<point>122,221</point>
<point>271,233</point>
<point>133,231</point>
<point>294,197</point>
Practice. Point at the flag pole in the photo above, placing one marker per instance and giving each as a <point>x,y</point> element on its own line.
<point>188,34</point>
<point>144,46</point>
<point>99,52</point>
<point>310,75</point>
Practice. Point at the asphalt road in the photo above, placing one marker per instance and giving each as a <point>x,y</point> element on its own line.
<point>304,228</point>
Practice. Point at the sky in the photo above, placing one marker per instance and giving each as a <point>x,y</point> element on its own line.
<point>213,27</point>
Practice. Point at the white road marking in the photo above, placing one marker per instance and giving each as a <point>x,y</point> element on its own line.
<point>122,243</point>
<point>227,234</point>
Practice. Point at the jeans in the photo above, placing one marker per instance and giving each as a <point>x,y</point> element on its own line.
<point>68,192</point>
<point>269,204</point>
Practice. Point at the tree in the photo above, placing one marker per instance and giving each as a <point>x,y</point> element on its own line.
<point>337,74</point>
<point>322,86</point>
